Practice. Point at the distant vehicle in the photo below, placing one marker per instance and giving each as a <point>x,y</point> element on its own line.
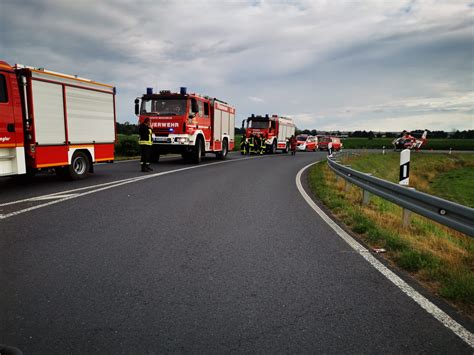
<point>306,143</point>
<point>324,140</point>
<point>276,131</point>
<point>188,124</point>
<point>407,141</point>
<point>53,120</point>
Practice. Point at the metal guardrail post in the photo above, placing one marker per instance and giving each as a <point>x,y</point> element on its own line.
<point>406,218</point>
<point>366,195</point>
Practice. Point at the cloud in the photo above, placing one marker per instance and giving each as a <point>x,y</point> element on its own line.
<point>256,99</point>
<point>307,59</point>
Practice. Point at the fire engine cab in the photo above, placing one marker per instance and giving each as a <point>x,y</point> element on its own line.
<point>188,124</point>
<point>276,131</point>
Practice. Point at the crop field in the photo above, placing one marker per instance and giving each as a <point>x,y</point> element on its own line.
<point>438,257</point>
<point>435,144</point>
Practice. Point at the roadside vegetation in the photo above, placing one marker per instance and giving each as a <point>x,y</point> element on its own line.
<point>435,144</point>
<point>438,257</point>
<point>126,146</point>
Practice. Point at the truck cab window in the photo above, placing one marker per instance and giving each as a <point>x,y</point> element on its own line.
<point>3,89</point>
<point>201,108</point>
<point>206,109</point>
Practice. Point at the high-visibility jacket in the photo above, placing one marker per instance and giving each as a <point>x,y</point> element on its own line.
<point>262,145</point>
<point>145,134</point>
<point>251,144</point>
<point>243,146</point>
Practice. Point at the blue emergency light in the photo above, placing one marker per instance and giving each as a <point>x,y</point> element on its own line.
<point>149,91</point>
<point>182,90</point>
<point>171,129</point>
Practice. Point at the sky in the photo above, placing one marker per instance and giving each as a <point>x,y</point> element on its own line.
<point>330,65</point>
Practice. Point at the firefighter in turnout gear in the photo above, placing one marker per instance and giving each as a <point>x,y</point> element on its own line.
<point>262,144</point>
<point>243,145</point>
<point>251,144</point>
<point>257,144</point>
<point>145,143</point>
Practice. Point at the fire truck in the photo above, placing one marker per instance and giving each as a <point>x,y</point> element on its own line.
<point>276,131</point>
<point>54,120</point>
<point>187,123</point>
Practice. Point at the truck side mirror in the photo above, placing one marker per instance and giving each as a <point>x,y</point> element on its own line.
<point>194,106</point>
<point>136,106</point>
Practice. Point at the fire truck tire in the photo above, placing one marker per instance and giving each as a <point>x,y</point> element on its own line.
<point>274,147</point>
<point>225,150</point>
<point>79,167</point>
<point>198,151</point>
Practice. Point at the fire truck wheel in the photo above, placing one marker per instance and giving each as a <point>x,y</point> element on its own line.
<point>274,147</point>
<point>223,153</point>
<point>79,167</point>
<point>198,151</point>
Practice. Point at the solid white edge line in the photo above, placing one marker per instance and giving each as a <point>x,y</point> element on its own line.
<point>423,302</point>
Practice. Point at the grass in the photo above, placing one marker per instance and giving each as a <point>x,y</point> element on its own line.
<point>438,257</point>
<point>435,144</point>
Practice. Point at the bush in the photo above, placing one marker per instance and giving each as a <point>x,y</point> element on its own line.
<point>127,146</point>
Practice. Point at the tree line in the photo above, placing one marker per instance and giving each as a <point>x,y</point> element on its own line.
<point>128,128</point>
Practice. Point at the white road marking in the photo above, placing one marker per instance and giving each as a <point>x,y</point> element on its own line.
<point>66,195</point>
<point>423,302</point>
<point>42,198</point>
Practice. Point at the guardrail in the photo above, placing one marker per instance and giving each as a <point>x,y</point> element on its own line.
<point>448,213</point>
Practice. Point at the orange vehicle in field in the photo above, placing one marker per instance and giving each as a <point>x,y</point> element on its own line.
<point>323,142</point>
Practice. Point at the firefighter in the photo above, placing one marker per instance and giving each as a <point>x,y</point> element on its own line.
<point>243,145</point>
<point>293,143</point>
<point>262,144</point>
<point>145,143</point>
<point>251,144</point>
<point>257,144</point>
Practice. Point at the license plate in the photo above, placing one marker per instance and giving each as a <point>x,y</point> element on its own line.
<point>160,139</point>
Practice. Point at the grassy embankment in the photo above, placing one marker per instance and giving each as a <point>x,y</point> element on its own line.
<point>438,257</point>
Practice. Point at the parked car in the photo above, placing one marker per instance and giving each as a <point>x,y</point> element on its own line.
<point>306,143</point>
<point>324,140</point>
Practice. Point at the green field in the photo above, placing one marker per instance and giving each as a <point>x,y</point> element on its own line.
<point>438,257</point>
<point>435,144</point>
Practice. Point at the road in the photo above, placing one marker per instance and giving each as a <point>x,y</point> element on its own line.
<point>221,257</point>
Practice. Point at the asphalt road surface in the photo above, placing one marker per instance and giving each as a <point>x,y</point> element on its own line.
<point>220,257</point>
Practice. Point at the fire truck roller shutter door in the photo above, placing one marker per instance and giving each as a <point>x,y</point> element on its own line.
<point>217,129</point>
<point>90,116</point>
<point>48,113</point>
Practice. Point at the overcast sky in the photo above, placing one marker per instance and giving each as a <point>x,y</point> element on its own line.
<point>330,65</point>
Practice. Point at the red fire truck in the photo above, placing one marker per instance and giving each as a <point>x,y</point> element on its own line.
<point>188,124</point>
<point>276,130</point>
<point>54,120</point>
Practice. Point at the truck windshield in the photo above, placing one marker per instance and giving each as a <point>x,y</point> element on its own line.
<point>301,138</point>
<point>258,124</point>
<point>164,107</point>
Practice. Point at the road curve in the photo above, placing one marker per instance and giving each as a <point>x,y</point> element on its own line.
<point>224,257</point>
